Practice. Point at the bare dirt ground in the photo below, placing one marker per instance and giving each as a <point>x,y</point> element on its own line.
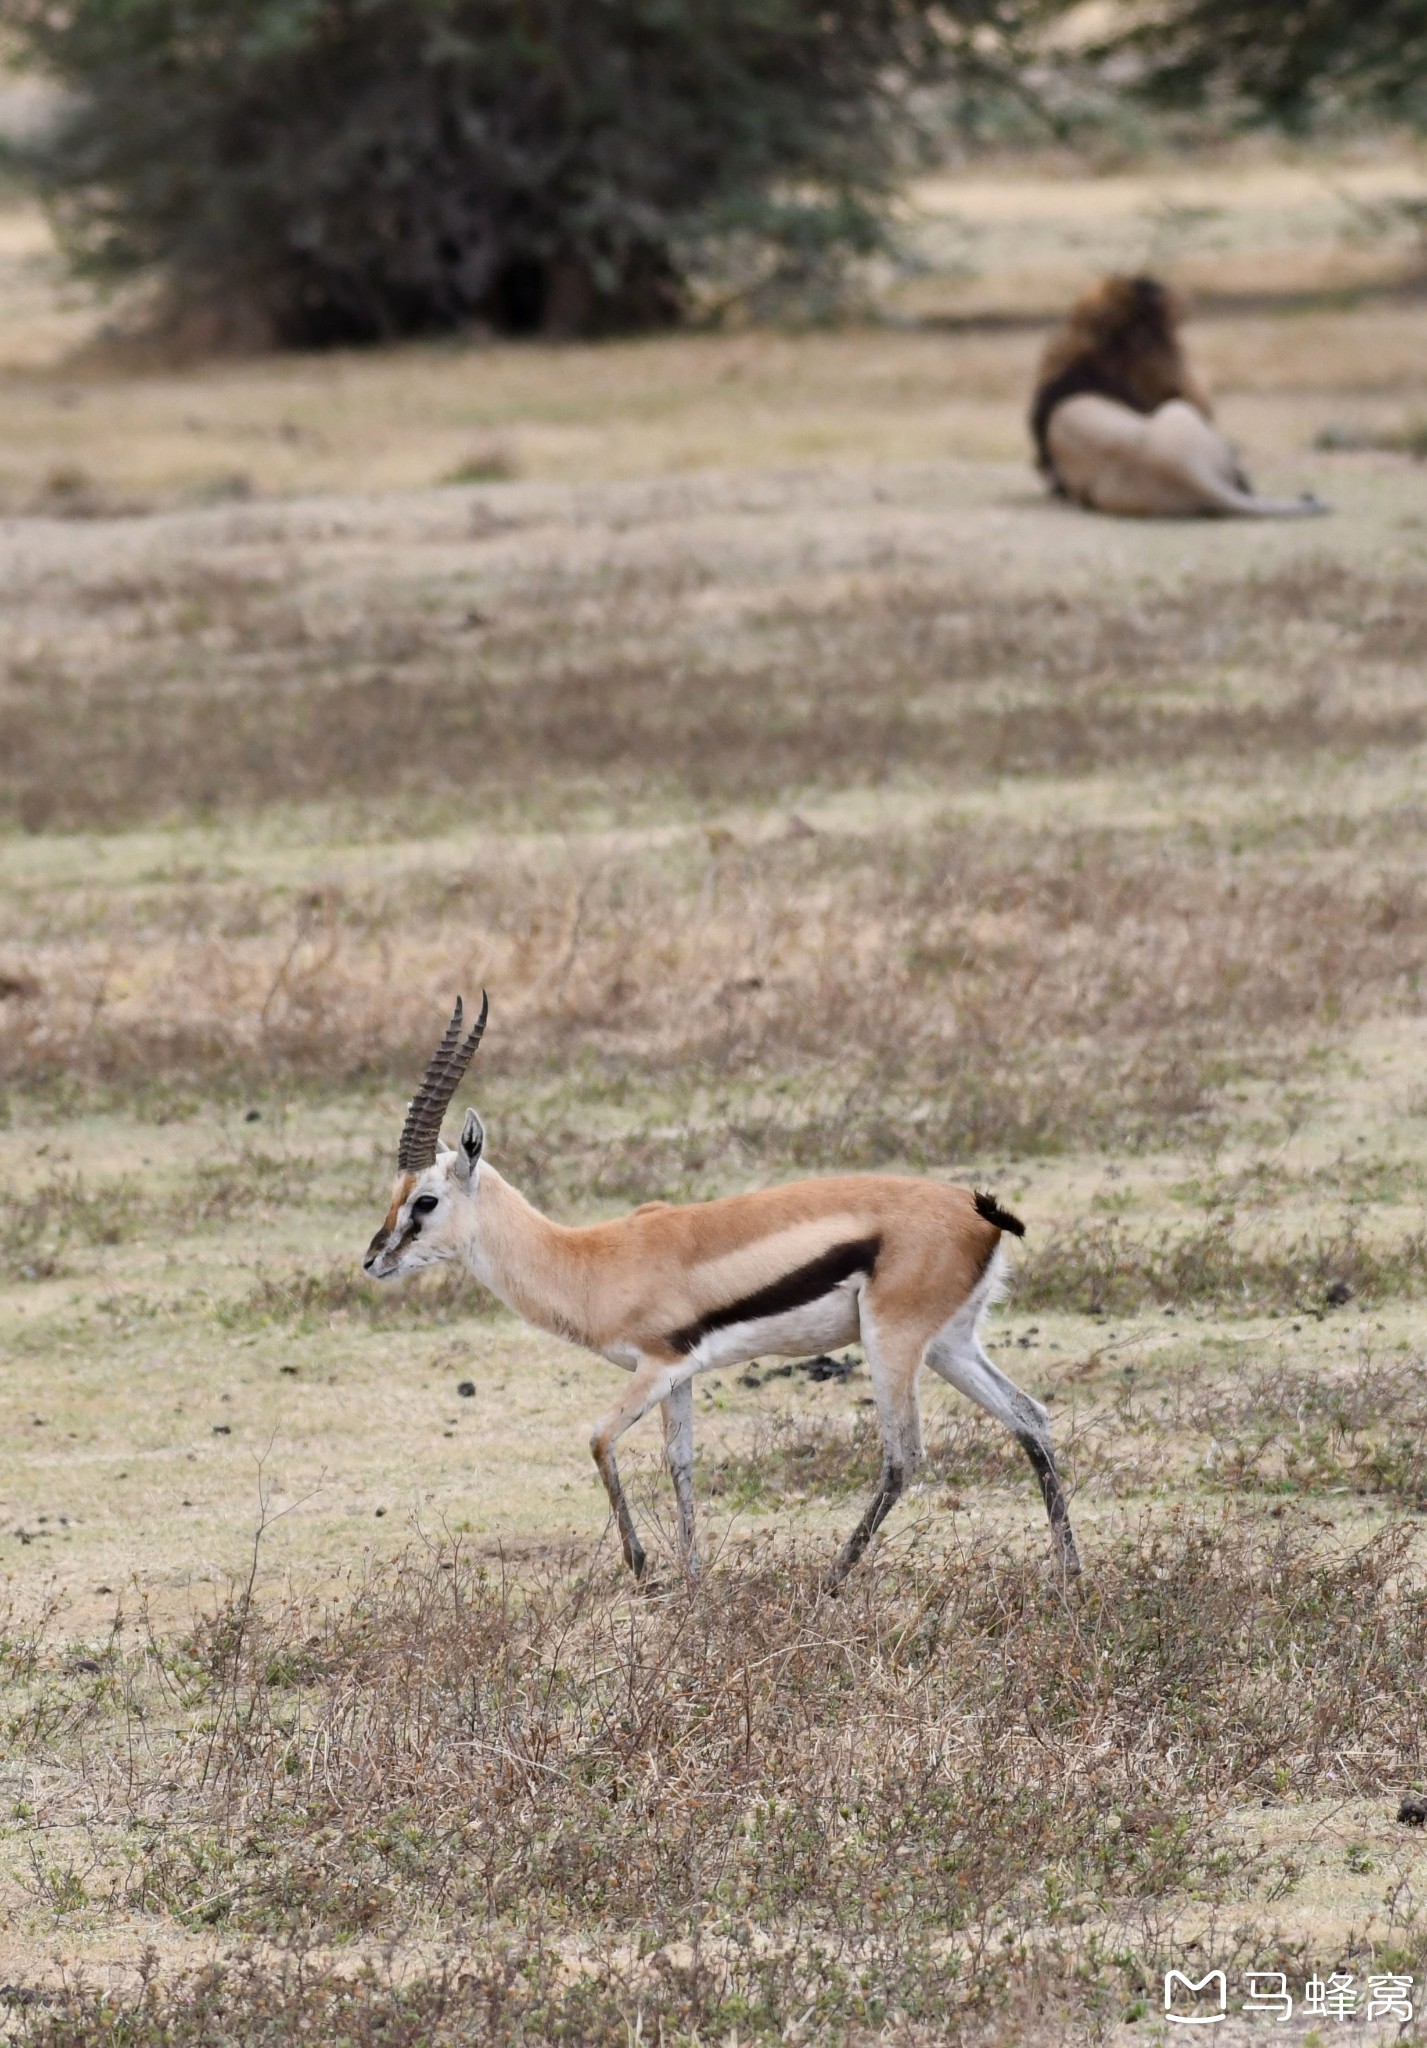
<point>810,793</point>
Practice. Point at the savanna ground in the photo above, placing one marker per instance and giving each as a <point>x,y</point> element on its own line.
<point>810,793</point>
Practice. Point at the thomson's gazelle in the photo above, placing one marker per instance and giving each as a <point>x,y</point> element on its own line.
<point>909,1266</point>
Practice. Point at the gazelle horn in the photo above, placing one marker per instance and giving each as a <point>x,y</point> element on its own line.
<point>439,1083</point>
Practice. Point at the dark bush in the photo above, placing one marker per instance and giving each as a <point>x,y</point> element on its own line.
<point>1289,63</point>
<point>337,170</point>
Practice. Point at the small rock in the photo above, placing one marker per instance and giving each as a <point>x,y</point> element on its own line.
<point>1339,1293</point>
<point>253,1116</point>
<point>466,1388</point>
<point>1413,1811</point>
<point>380,1512</point>
<point>221,1429</point>
<point>86,1664</point>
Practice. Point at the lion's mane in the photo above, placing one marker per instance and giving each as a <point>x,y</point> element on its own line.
<point>1121,340</point>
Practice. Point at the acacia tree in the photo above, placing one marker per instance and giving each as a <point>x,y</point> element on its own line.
<point>1286,62</point>
<point>350,169</point>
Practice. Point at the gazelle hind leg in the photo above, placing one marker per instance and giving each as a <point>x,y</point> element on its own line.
<point>956,1353</point>
<point>893,1365</point>
<point>679,1450</point>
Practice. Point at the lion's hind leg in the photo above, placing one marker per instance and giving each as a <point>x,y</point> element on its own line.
<point>1196,463</point>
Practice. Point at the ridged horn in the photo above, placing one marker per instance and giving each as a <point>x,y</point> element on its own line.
<point>417,1149</point>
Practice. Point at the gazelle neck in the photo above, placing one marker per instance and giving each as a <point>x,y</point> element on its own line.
<point>524,1258</point>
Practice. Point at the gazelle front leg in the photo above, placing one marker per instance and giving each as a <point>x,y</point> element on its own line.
<point>651,1383</point>
<point>679,1450</point>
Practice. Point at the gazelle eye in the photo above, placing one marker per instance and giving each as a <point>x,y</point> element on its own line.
<point>423,1205</point>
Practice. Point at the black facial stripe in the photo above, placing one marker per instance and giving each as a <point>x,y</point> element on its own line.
<point>795,1290</point>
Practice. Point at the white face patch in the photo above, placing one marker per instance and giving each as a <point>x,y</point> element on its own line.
<point>411,1236</point>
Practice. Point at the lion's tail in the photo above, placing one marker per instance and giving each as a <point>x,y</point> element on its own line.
<point>1246,505</point>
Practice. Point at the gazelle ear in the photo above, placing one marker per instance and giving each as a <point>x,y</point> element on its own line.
<point>473,1138</point>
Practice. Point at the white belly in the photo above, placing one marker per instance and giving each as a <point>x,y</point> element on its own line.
<point>800,1333</point>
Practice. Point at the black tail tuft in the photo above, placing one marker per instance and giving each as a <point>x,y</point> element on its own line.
<point>988,1207</point>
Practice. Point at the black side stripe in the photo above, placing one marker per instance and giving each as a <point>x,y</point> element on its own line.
<point>795,1290</point>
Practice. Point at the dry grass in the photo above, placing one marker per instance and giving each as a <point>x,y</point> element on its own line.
<point>723,1806</point>
<point>797,817</point>
<point>308,1299</point>
<point>1288,1432</point>
<point>935,994</point>
<point>620,692</point>
<point>1281,1429</point>
<point>63,1210</point>
<point>794,1458</point>
<point>919,992</point>
<point>1106,1268</point>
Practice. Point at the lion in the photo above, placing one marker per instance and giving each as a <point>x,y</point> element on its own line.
<point>1121,424</point>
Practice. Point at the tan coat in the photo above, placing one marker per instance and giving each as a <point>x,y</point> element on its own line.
<point>906,1266</point>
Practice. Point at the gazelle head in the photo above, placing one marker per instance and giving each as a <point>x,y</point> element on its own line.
<point>425,1222</point>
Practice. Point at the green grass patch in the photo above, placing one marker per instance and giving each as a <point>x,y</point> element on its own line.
<point>1111,1269</point>
<point>306,1299</point>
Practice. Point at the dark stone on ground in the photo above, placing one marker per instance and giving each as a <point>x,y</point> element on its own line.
<point>827,1368</point>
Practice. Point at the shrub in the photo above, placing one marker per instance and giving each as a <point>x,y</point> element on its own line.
<point>338,170</point>
<point>1288,63</point>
